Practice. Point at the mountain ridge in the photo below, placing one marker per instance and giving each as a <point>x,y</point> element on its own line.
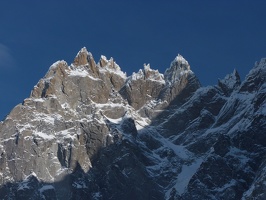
<point>90,128</point>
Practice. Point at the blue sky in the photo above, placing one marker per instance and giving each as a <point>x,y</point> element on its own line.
<point>214,36</point>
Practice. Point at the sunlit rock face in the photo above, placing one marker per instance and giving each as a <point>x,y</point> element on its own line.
<point>89,131</point>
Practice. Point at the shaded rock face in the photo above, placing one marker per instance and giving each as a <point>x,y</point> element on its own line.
<point>88,131</point>
<point>230,83</point>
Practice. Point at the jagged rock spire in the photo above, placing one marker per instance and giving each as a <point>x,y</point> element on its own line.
<point>82,57</point>
<point>85,58</point>
<point>178,67</point>
<point>257,74</point>
<point>180,62</point>
<point>230,82</point>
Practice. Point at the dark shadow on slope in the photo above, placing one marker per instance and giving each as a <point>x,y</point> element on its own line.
<point>178,101</point>
<point>119,173</point>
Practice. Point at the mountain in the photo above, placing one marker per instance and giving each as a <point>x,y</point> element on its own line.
<point>89,131</point>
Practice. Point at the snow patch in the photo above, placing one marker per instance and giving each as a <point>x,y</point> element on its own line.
<point>227,185</point>
<point>97,195</point>
<point>137,76</point>
<point>23,186</point>
<point>112,67</point>
<point>46,187</point>
<point>184,177</point>
<point>115,121</point>
<point>180,59</point>
<point>142,123</point>
<point>78,72</point>
<point>67,134</point>
<point>79,185</point>
<point>54,65</point>
<point>38,100</point>
<point>43,135</point>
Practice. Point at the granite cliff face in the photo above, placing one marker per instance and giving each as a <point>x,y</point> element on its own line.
<point>88,131</point>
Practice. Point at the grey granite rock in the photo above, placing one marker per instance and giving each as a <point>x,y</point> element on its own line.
<point>87,131</point>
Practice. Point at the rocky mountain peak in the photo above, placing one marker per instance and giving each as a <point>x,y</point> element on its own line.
<point>147,74</point>
<point>89,132</point>
<point>110,66</point>
<point>261,63</point>
<point>56,69</point>
<point>179,79</point>
<point>230,82</point>
<point>181,62</point>
<point>256,77</point>
<point>178,67</point>
<point>85,59</point>
<point>152,74</point>
<point>148,84</point>
<point>82,57</point>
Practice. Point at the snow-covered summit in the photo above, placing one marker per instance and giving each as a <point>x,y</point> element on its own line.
<point>178,67</point>
<point>54,67</point>
<point>180,60</point>
<point>111,66</point>
<point>151,74</point>
<point>147,74</point>
<point>83,50</point>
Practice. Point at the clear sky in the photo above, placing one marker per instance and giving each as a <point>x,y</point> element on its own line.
<point>214,36</point>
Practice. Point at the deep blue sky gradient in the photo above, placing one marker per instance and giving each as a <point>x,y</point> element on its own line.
<point>214,36</point>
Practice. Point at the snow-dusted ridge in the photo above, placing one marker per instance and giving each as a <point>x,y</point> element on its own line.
<point>178,67</point>
<point>92,129</point>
